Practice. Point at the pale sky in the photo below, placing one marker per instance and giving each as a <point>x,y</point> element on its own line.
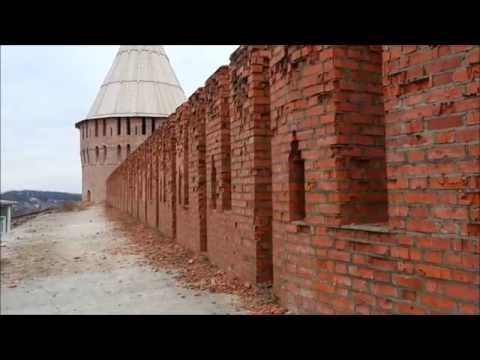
<point>46,89</point>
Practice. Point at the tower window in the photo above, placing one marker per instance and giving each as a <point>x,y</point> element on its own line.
<point>104,154</point>
<point>128,149</point>
<point>119,152</point>
<point>96,127</point>
<point>144,126</point>
<point>97,153</point>
<point>152,122</point>
<point>104,127</point>
<point>119,127</point>
<point>296,180</point>
<point>128,126</point>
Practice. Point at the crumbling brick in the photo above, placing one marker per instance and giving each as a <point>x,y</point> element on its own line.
<point>347,175</point>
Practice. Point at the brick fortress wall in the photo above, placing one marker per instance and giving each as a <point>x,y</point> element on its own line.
<point>347,175</point>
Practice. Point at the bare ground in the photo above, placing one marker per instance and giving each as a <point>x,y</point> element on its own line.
<point>194,271</point>
<point>98,261</point>
<point>78,262</point>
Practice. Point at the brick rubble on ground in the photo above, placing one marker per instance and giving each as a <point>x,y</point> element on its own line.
<point>194,271</point>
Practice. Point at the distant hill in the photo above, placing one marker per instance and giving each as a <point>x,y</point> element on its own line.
<point>31,200</point>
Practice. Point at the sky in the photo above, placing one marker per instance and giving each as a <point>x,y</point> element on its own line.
<point>45,90</point>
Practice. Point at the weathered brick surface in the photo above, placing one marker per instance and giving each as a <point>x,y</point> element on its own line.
<point>322,267</point>
<point>251,162</point>
<point>219,216</point>
<point>166,215</point>
<point>349,175</point>
<point>190,152</point>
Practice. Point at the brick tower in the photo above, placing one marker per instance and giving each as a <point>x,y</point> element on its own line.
<point>138,93</point>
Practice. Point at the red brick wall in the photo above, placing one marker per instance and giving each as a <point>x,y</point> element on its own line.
<point>360,131</point>
<point>358,165</point>
<point>405,267</point>
<point>432,108</point>
<point>302,111</point>
<point>251,162</point>
<point>153,156</point>
<point>165,216</point>
<point>190,152</point>
<point>220,224</point>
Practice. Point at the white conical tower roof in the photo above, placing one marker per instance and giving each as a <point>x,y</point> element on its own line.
<point>141,82</point>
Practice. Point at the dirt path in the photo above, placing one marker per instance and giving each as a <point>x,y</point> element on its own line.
<point>70,263</point>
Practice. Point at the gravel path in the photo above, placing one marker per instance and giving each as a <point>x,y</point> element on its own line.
<point>69,263</point>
